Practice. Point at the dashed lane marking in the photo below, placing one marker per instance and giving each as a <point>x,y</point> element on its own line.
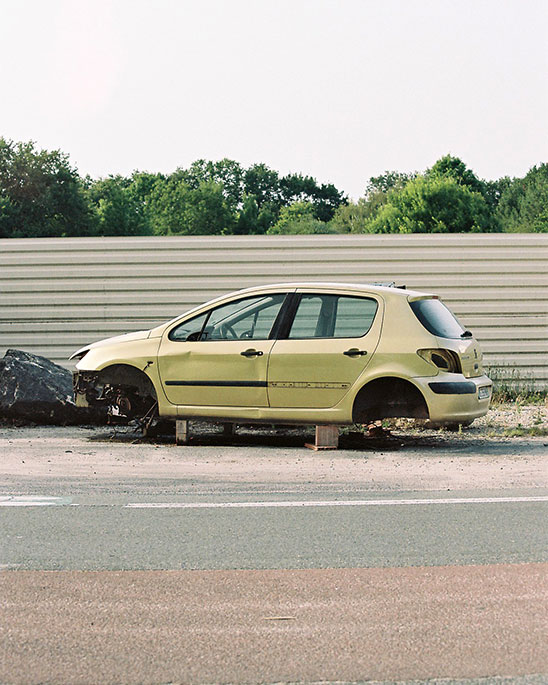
<point>331,503</point>
<point>33,501</point>
<point>42,501</point>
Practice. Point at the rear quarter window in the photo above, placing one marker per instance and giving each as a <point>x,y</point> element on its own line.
<point>437,318</point>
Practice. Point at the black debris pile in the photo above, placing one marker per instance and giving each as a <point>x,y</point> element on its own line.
<point>34,389</point>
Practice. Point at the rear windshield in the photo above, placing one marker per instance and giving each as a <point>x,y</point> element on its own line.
<point>437,319</point>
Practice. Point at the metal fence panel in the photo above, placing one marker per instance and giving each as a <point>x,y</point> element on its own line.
<point>58,294</point>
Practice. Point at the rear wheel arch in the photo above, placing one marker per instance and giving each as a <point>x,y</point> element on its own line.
<point>389,397</point>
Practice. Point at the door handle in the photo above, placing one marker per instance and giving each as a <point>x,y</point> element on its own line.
<point>252,353</point>
<point>354,352</point>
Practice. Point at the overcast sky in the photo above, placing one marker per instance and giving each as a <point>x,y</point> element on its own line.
<point>338,89</point>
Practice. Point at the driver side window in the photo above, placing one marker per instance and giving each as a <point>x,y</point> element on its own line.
<point>249,319</point>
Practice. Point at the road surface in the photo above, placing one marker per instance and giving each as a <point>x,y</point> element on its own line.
<point>203,574</point>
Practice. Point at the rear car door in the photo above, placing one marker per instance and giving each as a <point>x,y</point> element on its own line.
<point>329,342</point>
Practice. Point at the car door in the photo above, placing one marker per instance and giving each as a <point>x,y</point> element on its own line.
<point>327,346</point>
<point>220,357</point>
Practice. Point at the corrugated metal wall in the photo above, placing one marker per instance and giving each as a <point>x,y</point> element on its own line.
<point>57,294</point>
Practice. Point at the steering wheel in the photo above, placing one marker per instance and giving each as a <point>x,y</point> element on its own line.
<point>232,333</point>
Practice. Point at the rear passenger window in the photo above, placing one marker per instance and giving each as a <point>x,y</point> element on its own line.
<point>354,316</point>
<point>333,316</point>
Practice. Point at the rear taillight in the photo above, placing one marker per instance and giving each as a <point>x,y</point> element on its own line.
<point>447,360</point>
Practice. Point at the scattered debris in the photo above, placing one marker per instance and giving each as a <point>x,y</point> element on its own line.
<point>34,389</point>
<point>376,430</point>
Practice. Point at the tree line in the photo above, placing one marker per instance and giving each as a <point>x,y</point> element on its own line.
<point>43,195</point>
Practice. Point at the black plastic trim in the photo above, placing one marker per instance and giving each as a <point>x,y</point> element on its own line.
<point>453,388</point>
<point>289,309</point>
<point>281,317</point>
<point>221,384</point>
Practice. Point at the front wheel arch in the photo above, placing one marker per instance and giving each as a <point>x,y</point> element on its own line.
<point>389,397</point>
<point>125,375</point>
<point>125,391</point>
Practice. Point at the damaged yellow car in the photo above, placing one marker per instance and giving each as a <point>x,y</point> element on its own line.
<point>293,353</point>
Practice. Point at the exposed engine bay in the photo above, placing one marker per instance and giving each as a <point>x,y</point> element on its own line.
<point>124,394</point>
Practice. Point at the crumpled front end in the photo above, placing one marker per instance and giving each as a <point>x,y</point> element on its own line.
<point>113,376</point>
<point>121,395</point>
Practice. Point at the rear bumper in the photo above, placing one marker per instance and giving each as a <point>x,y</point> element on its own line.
<point>451,398</point>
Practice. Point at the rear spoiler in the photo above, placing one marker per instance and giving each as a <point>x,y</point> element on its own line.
<point>411,298</point>
<point>414,298</point>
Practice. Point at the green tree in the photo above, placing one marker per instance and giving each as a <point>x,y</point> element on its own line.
<point>248,217</point>
<point>352,217</point>
<point>140,191</point>
<point>178,209</point>
<point>390,180</point>
<point>453,167</point>
<point>41,195</point>
<point>494,190</point>
<point>268,215</point>
<point>118,207</point>
<point>263,184</point>
<point>256,195</point>
<point>436,204</point>
<point>324,198</point>
<point>142,184</point>
<point>523,205</point>
<point>227,173</point>
<point>299,218</point>
<point>9,217</point>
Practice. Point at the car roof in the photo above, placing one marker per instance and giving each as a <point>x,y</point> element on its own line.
<point>328,285</point>
<point>365,288</point>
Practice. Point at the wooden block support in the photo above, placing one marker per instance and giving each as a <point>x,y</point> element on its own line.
<point>181,432</point>
<point>327,438</point>
<point>228,430</point>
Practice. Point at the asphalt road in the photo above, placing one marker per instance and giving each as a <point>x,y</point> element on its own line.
<point>202,579</point>
<point>334,625</point>
<point>163,524</point>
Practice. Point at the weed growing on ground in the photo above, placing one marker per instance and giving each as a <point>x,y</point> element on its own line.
<point>509,388</point>
<point>506,395</point>
<point>520,431</point>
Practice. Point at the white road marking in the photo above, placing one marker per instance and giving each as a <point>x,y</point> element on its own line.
<point>330,503</point>
<point>42,501</point>
<point>33,501</point>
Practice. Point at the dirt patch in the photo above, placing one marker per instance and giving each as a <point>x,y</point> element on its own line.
<point>483,455</point>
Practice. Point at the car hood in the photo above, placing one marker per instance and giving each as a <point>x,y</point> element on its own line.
<point>126,337</point>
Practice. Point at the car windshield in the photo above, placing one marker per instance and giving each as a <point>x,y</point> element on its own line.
<point>436,318</point>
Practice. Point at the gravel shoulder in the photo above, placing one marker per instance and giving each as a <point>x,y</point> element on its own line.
<point>485,455</point>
